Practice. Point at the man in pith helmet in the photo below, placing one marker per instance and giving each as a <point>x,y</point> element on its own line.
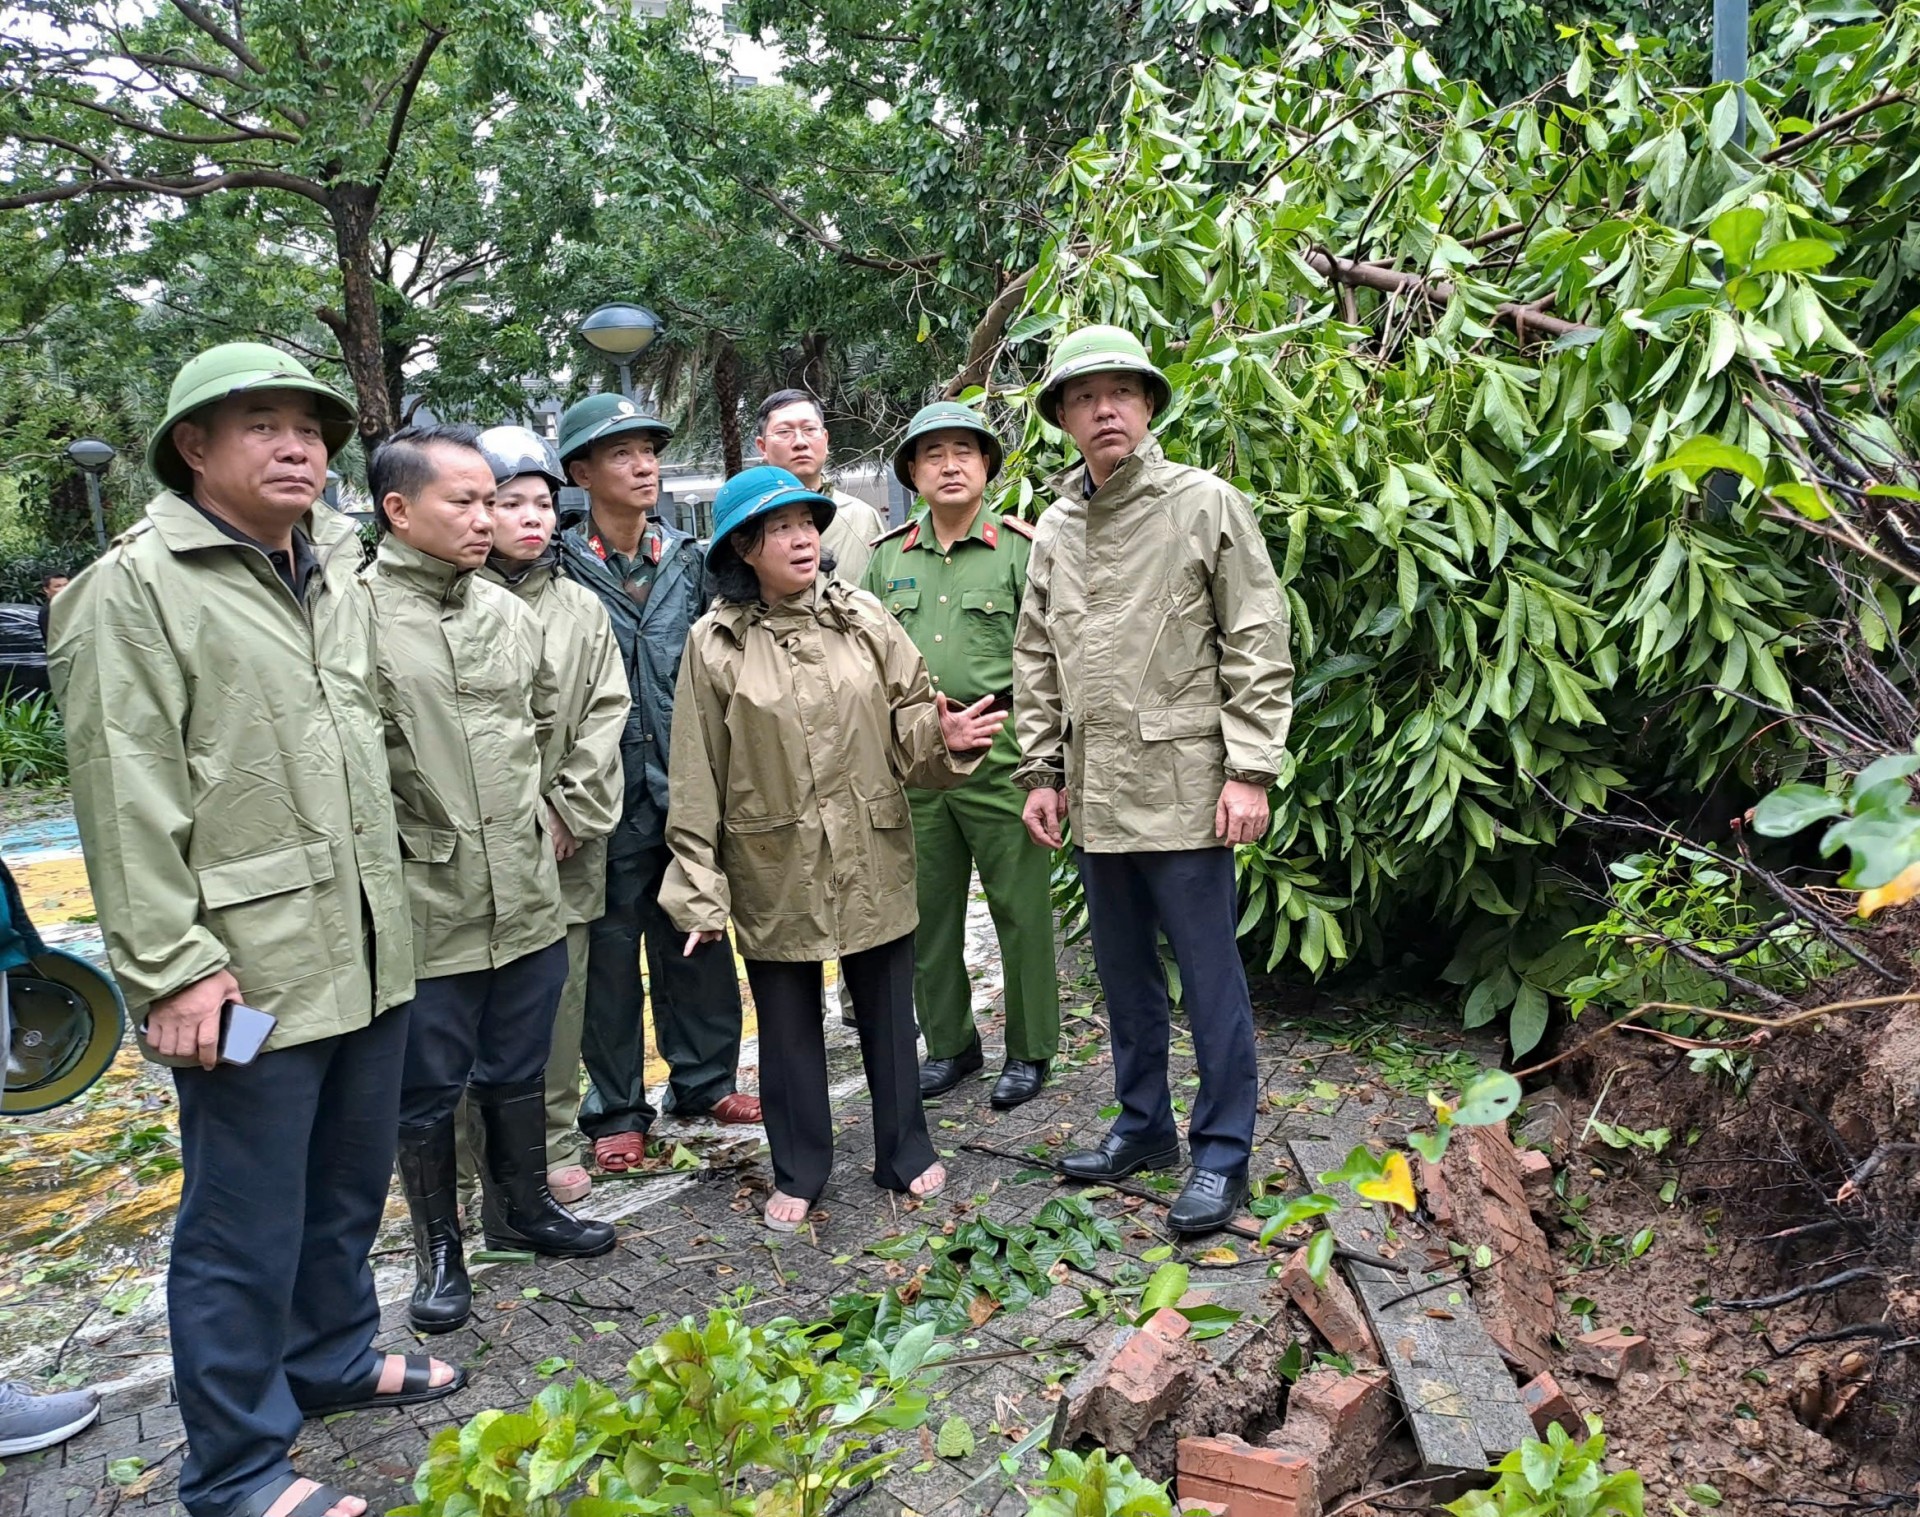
<point>955,575</point>
<point>650,577</point>
<point>1152,696</point>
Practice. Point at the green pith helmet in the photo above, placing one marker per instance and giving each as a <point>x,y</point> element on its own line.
<point>231,369</point>
<point>944,416</point>
<point>585,422</point>
<point>65,1024</point>
<point>1092,350</point>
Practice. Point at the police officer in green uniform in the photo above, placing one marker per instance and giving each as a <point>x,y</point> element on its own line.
<point>954,575</point>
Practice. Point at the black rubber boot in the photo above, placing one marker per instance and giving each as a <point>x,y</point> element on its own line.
<point>519,1211</point>
<point>442,1296</point>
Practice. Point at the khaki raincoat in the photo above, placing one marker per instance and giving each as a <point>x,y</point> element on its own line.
<point>469,696</point>
<point>1150,661</point>
<point>795,730</point>
<point>228,772</point>
<point>591,715</point>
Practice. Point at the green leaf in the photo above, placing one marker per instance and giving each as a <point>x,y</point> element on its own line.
<point>1705,1494</point>
<point>1737,231</point>
<point>1792,808</point>
<point>1320,1256</point>
<point>955,1440</point>
<point>1489,1099</point>
<point>1797,256</point>
<point>1168,1285</point>
<point>1529,1021</point>
<point>1698,456</point>
<point>124,1472</point>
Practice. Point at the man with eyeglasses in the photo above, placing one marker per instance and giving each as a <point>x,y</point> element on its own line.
<point>792,435</point>
<point>649,575</point>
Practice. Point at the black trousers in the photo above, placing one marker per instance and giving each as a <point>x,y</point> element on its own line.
<point>487,1027</point>
<point>285,1166</point>
<point>696,1007</point>
<point>793,1067</point>
<point>1189,894</point>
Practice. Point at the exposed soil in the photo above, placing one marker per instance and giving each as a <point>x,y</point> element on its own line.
<point>1748,1200</point>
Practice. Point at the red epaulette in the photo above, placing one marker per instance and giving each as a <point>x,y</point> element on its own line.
<point>1015,524</point>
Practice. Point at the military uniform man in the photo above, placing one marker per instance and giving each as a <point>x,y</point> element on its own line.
<point>955,576</point>
<point>1152,685</point>
<point>650,577</point>
<point>792,435</point>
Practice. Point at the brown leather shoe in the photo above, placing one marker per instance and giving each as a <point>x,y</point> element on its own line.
<point>739,1109</point>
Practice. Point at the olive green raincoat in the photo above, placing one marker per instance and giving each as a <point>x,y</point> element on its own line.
<point>228,772</point>
<point>796,729</point>
<point>1150,661</point>
<point>588,786</point>
<point>469,695</point>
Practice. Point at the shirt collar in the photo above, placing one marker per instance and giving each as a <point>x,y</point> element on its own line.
<point>295,568</point>
<point>434,577</point>
<point>985,529</point>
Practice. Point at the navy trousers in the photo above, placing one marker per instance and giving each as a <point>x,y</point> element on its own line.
<point>1189,895</point>
<point>696,1007</point>
<point>486,1027</point>
<point>285,1166</point>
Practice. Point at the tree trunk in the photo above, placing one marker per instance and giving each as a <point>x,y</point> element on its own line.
<point>726,403</point>
<point>359,326</point>
<point>813,364</point>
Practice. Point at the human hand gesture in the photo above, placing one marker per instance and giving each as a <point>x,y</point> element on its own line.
<point>971,729</point>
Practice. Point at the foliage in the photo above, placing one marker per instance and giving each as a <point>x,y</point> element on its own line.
<point>1505,610</point>
<point>21,573</point>
<point>1874,818</point>
<point>981,1268</point>
<point>721,1420</point>
<point>1679,926</point>
<point>1563,1477</point>
<point>1096,1486</point>
<point>33,743</point>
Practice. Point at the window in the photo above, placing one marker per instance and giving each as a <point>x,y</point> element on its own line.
<point>742,81</point>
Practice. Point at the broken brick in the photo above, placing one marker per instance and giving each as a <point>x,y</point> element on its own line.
<point>1546,1121</point>
<point>1133,1383</point>
<point>1167,1324</point>
<point>1252,1482</point>
<point>1433,1185</point>
<point>1546,1404</point>
<point>1332,1309</point>
<point>1486,1206</point>
<point>1609,1353</point>
<point>1536,1176</point>
<point>1339,1422</point>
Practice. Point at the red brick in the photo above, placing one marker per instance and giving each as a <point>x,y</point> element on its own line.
<point>1609,1353</point>
<point>1253,1482</point>
<point>1547,1404</point>
<point>1135,1381</point>
<point>1332,1309</point>
<point>1340,1422</point>
<point>1433,1185</point>
<point>1487,1206</point>
<point>1536,1174</point>
<point>1167,1325</point>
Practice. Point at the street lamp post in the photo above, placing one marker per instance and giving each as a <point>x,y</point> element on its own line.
<point>622,332</point>
<point>91,456</point>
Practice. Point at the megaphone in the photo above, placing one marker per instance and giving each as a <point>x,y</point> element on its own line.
<point>63,1021</point>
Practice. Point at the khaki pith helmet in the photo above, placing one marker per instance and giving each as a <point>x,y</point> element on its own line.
<point>1093,350</point>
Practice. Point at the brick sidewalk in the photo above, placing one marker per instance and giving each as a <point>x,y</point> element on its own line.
<point>687,1241</point>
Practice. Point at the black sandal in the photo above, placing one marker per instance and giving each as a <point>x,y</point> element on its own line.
<point>316,1503</point>
<point>416,1386</point>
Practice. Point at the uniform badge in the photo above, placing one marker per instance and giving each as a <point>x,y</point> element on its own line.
<point>901,584</point>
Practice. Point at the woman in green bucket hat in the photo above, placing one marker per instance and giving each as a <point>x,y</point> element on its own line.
<point>803,712</point>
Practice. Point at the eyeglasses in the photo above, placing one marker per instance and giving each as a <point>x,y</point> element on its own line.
<point>805,433</point>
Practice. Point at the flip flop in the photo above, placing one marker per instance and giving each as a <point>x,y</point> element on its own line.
<point>416,1386</point>
<point>781,1224</point>
<point>316,1503</point>
<point>926,1195</point>
<point>620,1152</point>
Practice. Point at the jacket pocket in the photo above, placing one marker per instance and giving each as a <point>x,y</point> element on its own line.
<point>266,909</point>
<point>427,845</point>
<point>765,870</point>
<point>1167,724</point>
<point>890,811</point>
<point>903,603</point>
<point>759,823</point>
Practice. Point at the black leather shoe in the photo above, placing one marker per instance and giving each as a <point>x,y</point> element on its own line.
<point>938,1076</point>
<point>1116,1158</point>
<point>519,1212</point>
<point>1208,1203</point>
<point>1019,1083</point>
<point>442,1298</point>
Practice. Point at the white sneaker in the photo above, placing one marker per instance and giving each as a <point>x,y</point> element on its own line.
<point>29,1423</point>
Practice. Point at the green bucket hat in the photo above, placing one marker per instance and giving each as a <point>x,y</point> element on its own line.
<point>1094,350</point>
<point>232,369</point>
<point>585,422</point>
<point>944,416</point>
